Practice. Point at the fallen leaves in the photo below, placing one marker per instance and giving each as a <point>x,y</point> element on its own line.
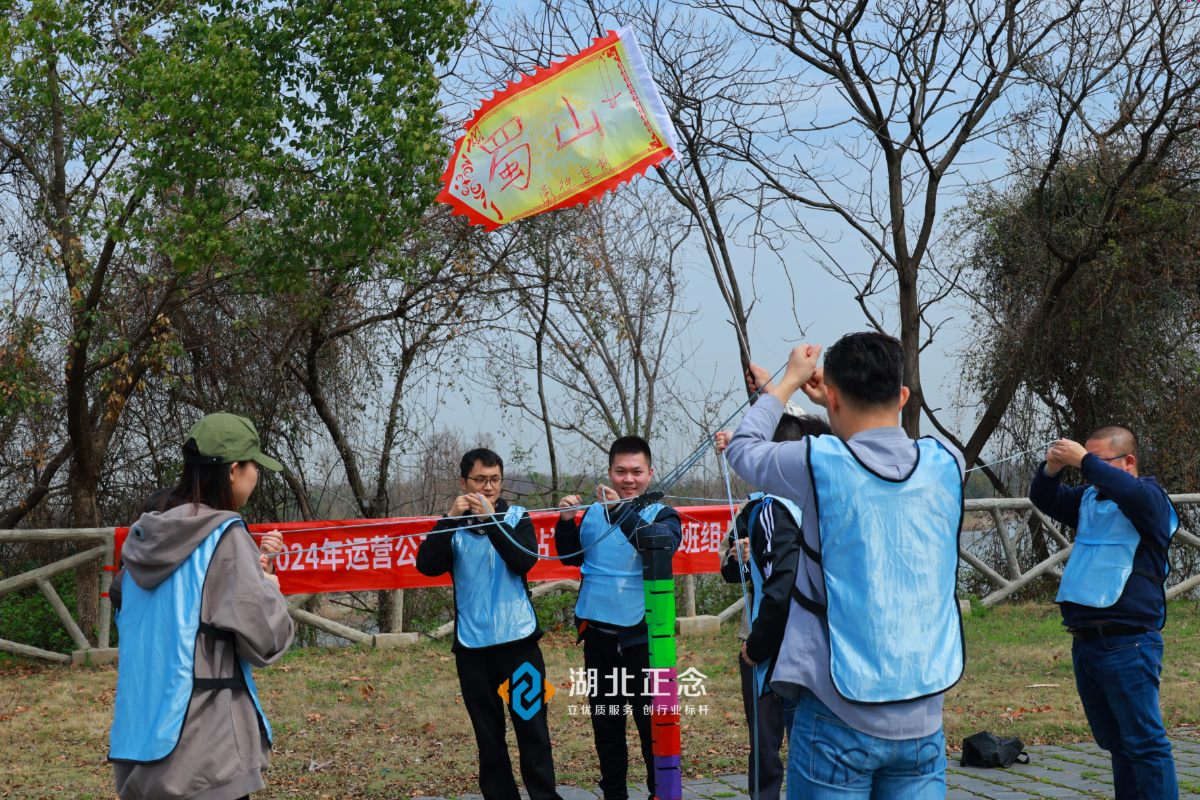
<point>15,711</point>
<point>1015,715</point>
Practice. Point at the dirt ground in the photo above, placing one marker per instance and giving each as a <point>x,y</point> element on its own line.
<point>353,723</point>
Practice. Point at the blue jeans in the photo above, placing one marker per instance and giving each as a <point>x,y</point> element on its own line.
<point>789,716</point>
<point>1117,678</point>
<point>828,759</point>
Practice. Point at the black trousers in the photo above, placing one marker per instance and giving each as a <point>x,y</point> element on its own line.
<point>480,673</point>
<point>602,653</point>
<point>769,720</point>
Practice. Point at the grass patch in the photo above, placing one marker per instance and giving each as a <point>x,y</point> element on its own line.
<point>1014,651</point>
<point>391,723</point>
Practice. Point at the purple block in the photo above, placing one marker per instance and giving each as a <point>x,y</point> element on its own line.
<point>668,778</point>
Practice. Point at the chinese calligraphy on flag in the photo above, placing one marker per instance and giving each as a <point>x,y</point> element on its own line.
<point>560,136</point>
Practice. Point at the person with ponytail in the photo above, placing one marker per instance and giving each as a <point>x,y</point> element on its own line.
<point>197,607</point>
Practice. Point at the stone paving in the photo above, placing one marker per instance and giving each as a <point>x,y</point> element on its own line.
<point>1067,772</point>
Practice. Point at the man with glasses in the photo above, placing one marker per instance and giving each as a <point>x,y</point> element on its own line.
<point>1113,600</point>
<point>487,547</point>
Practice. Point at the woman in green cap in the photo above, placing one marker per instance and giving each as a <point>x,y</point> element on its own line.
<point>196,608</point>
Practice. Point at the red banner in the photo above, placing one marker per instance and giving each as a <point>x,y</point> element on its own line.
<point>361,555</point>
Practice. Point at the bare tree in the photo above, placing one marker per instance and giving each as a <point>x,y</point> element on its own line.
<point>897,98</point>
<point>597,312</point>
<point>706,74</point>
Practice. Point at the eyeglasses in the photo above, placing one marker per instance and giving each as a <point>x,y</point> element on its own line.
<point>483,481</point>
<point>1114,458</point>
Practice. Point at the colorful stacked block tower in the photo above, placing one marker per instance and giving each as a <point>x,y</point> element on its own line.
<point>659,584</point>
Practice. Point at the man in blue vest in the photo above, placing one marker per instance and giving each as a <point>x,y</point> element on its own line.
<point>873,636</point>
<point>765,542</point>
<point>1113,600</point>
<point>611,609</point>
<point>486,545</point>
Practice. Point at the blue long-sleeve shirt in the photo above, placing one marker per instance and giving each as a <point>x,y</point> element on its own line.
<point>1145,504</point>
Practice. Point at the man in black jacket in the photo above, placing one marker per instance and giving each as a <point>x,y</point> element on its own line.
<point>611,608</point>
<point>487,546</point>
<point>776,545</point>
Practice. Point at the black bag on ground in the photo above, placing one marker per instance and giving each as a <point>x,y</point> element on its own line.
<point>986,749</point>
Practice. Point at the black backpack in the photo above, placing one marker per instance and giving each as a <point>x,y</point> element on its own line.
<point>986,749</point>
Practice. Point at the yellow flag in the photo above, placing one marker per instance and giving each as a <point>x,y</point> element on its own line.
<point>561,136</point>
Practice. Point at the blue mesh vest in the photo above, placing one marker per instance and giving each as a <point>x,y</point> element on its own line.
<point>889,555</point>
<point>611,589</point>
<point>1101,559</point>
<point>760,572</point>
<point>157,651</point>
<point>493,604</point>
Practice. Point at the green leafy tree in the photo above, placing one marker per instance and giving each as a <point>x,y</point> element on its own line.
<point>1123,341</point>
<point>157,151</point>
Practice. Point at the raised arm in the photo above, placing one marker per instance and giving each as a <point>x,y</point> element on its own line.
<point>1056,501</point>
<point>566,531</point>
<point>435,556</point>
<point>774,467</point>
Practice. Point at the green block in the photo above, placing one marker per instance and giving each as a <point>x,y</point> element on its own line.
<point>662,652</point>
<point>660,606</point>
<point>660,622</point>
<point>661,632</point>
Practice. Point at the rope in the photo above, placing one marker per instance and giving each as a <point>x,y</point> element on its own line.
<point>625,509</point>
<point>671,478</point>
<point>1010,458</point>
<point>666,482</point>
<point>720,500</point>
<point>413,520</point>
<point>492,520</point>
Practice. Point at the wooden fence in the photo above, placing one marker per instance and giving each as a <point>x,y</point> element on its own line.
<point>1008,524</point>
<point>995,531</point>
<point>103,551</point>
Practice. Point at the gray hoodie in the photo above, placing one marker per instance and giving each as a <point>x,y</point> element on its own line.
<point>221,752</point>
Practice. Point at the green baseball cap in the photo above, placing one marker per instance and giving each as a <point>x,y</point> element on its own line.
<point>223,439</point>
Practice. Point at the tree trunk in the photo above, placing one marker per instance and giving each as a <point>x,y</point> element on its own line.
<point>910,337</point>
<point>87,577</point>
<point>545,407</point>
<point>384,614</point>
